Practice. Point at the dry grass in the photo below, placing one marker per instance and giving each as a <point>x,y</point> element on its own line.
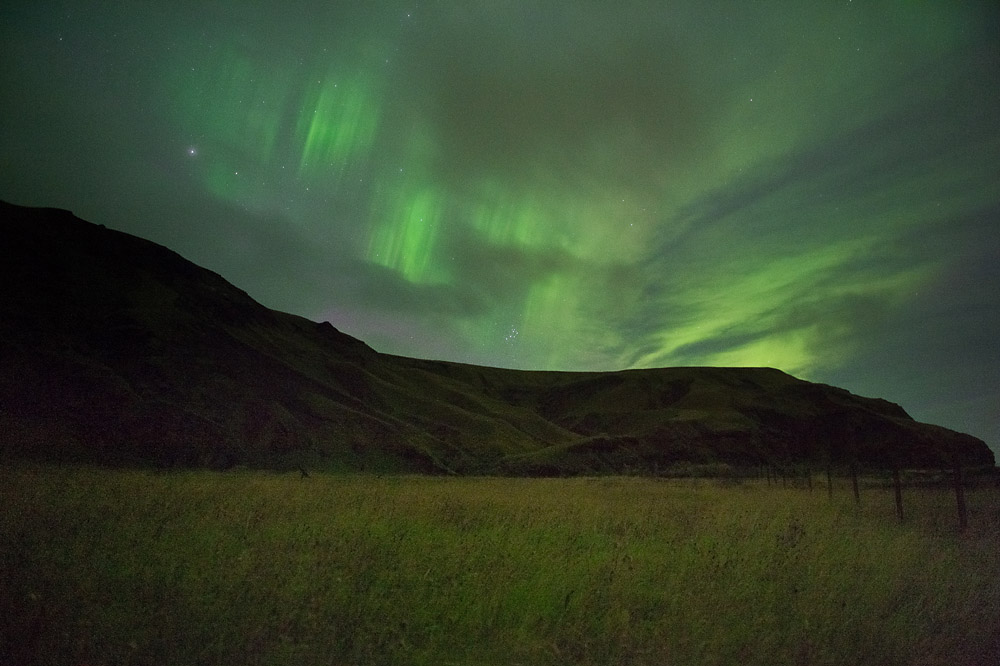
<point>133,567</point>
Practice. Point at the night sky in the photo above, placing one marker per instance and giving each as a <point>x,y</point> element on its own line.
<point>813,186</point>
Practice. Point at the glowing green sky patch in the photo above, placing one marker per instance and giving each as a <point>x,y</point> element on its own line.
<point>558,319</point>
<point>549,305</point>
<point>223,179</point>
<point>786,312</point>
<point>337,121</point>
<point>236,102</point>
<point>504,219</point>
<point>406,241</point>
<point>408,215</point>
<point>603,224</point>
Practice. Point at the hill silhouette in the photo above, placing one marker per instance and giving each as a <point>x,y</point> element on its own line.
<point>116,350</point>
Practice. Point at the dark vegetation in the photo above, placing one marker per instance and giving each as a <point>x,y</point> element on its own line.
<point>118,351</point>
<point>126,566</point>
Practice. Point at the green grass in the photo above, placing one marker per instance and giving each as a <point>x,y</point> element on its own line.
<point>134,567</point>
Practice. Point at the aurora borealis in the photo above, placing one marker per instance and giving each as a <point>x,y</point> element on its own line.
<point>813,186</point>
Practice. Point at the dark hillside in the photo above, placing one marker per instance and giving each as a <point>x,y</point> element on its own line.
<point>116,350</point>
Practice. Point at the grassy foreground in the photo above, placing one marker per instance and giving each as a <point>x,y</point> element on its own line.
<point>133,567</point>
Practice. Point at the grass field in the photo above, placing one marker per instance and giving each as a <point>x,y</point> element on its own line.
<point>135,567</point>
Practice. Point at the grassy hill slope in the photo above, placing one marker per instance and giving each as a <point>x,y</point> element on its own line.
<point>117,350</point>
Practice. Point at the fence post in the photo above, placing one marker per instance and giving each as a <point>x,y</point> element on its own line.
<point>854,483</point>
<point>898,489</point>
<point>829,481</point>
<point>963,515</point>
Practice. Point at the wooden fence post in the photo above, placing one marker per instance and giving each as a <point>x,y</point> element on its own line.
<point>898,489</point>
<point>829,482</point>
<point>963,515</point>
<point>854,483</point>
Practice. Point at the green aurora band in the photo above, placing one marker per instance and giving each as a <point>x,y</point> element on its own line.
<point>573,216</point>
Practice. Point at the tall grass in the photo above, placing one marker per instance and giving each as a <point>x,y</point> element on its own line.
<point>133,567</point>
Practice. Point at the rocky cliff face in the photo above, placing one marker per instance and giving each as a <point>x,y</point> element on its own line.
<point>117,350</point>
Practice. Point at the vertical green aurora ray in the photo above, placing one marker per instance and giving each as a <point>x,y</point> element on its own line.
<point>337,122</point>
<point>407,219</point>
<point>408,239</point>
<point>254,124</point>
